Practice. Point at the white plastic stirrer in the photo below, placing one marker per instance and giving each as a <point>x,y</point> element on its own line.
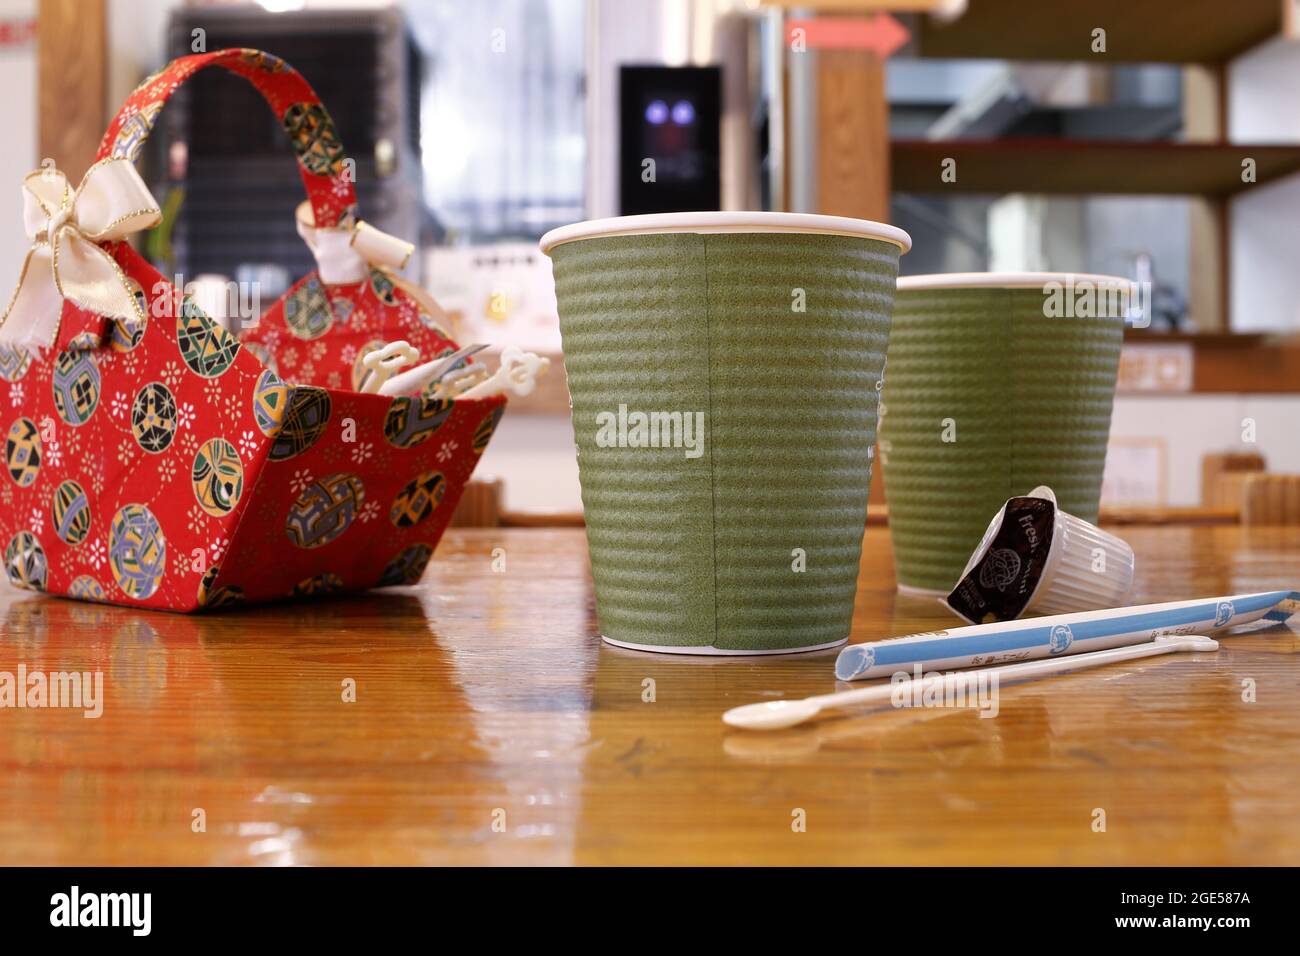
<point>385,362</point>
<point>518,373</point>
<point>414,380</point>
<point>778,714</point>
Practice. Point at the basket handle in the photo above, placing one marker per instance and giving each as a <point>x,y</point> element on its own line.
<point>321,160</point>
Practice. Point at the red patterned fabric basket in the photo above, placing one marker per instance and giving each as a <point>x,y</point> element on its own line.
<point>154,459</point>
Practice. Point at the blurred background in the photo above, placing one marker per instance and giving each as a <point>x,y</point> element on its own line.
<point>1154,140</point>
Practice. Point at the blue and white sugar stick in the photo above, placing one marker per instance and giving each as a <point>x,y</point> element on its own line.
<point>1030,639</point>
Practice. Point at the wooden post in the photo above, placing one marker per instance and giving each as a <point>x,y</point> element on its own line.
<point>1205,119</point>
<point>853,152</point>
<point>72,52</point>
<point>852,135</point>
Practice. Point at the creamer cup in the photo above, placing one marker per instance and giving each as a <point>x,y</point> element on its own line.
<point>1036,557</point>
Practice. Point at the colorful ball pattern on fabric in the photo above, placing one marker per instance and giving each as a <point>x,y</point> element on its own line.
<point>205,583</point>
<point>126,334</point>
<point>305,421</point>
<point>76,386</point>
<point>266,62</point>
<point>86,588</point>
<point>25,562</point>
<point>417,500</point>
<point>413,420</point>
<point>210,598</point>
<point>133,133</point>
<point>23,452</point>
<point>314,138</point>
<point>224,596</point>
<point>270,402</point>
<point>153,418</point>
<point>359,369</point>
<point>14,363</point>
<point>137,552</point>
<point>217,477</point>
<point>207,348</point>
<point>228,411</point>
<point>327,583</point>
<point>70,509</point>
<point>107,510</point>
<point>307,311</point>
<point>483,434</point>
<point>383,286</point>
<point>342,307</point>
<point>407,567</point>
<point>325,509</point>
<point>360,317</point>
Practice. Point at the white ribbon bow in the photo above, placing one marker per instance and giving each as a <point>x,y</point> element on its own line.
<point>65,260</point>
<point>345,256</point>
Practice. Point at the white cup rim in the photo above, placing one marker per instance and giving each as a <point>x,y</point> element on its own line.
<point>708,223</point>
<point>1006,280</point>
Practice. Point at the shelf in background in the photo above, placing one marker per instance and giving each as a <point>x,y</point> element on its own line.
<point>1087,166</point>
<point>1232,364</point>
<point>1192,31</point>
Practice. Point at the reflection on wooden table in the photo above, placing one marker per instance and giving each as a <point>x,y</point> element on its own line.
<point>491,726</point>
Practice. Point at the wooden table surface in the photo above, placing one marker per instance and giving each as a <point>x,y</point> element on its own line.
<point>491,726</point>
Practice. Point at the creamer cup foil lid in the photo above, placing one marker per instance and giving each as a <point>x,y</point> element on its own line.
<point>1036,557</point>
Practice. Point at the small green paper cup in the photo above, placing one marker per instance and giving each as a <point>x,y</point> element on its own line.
<point>723,370</point>
<point>997,383</point>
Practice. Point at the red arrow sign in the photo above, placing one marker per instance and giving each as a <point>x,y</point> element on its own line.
<point>881,34</point>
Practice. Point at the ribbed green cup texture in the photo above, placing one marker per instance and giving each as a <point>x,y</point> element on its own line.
<point>1025,397</point>
<point>702,552</point>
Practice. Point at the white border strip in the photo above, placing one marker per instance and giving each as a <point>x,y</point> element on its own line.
<point>1005,280</point>
<point>706,223</point>
<point>911,590</point>
<point>711,651</point>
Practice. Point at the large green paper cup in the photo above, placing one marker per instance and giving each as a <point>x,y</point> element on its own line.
<point>997,383</point>
<point>753,343</point>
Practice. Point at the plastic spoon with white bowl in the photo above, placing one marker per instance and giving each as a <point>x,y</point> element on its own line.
<point>779,714</point>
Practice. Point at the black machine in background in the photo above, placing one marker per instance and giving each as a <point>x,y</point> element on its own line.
<point>240,181</point>
<point>673,116</point>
